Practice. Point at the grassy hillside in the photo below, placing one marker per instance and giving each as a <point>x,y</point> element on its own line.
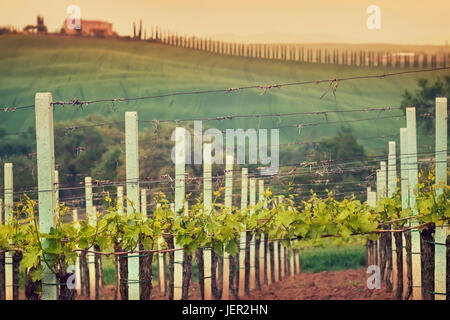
<point>102,68</point>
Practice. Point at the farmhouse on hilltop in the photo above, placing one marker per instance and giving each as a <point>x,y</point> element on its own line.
<point>91,28</point>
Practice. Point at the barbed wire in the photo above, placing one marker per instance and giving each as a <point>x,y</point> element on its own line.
<point>302,165</point>
<point>333,84</point>
<point>156,122</point>
<point>310,171</point>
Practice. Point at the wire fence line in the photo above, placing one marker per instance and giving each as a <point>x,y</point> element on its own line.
<point>219,179</point>
<point>306,165</point>
<point>156,122</point>
<point>332,81</point>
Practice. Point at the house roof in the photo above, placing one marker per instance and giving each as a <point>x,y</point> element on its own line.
<point>92,22</point>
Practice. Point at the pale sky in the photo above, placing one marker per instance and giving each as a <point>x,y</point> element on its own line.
<point>402,21</point>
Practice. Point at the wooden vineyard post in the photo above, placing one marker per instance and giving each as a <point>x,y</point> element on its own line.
<point>207,201</point>
<point>92,222</point>
<point>441,233</point>
<point>242,240</point>
<point>228,205</point>
<point>9,208</point>
<point>252,241</point>
<point>392,186</point>
<point>413,188</point>
<point>77,261</point>
<point>180,159</point>
<point>404,182</point>
<point>120,200</point>
<point>262,247</point>
<point>45,153</point>
<point>132,178</point>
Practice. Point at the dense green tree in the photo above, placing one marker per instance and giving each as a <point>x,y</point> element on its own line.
<point>424,100</point>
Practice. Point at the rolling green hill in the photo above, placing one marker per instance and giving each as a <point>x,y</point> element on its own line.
<point>85,68</point>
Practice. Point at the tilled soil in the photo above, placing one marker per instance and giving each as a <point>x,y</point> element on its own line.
<point>326,285</point>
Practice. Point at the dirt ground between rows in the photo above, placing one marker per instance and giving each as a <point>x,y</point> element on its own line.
<point>326,285</point>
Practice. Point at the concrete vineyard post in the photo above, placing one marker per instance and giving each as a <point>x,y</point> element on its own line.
<point>207,200</point>
<point>180,159</point>
<point>283,254</point>
<point>282,261</point>
<point>242,240</point>
<point>276,253</point>
<point>369,261</point>
<point>262,257</point>
<point>186,208</point>
<point>379,191</point>
<point>9,208</point>
<point>132,179</point>
<point>297,260</point>
<point>392,186</point>
<point>120,200</point>
<point>276,264</point>
<point>56,190</point>
<point>383,179</point>
<point>413,184</point>
<point>291,262</point>
<point>383,188</point>
<point>77,261</point>
<point>440,259</point>
<point>378,179</point>
<point>371,201</point>
<point>144,202</point>
<point>228,205</point>
<point>252,241</point>
<point>161,257</point>
<point>92,270</point>
<point>404,182</point>
<point>120,213</point>
<point>45,153</point>
<point>392,170</point>
<point>91,221</point>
